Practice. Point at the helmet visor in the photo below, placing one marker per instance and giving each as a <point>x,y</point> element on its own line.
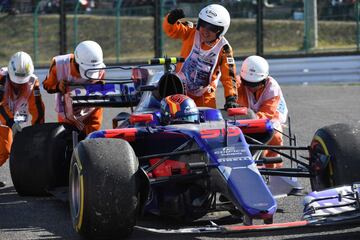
<point>252,84</point>
<point>18,77</point>
<point>186,119</point>
<point>191,118</point>
<point>90,72</point>
<point>208,26</point>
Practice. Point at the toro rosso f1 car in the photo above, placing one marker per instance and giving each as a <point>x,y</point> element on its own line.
<point>181,171</point>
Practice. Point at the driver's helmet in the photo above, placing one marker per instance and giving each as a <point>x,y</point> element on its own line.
<point>179,108</point>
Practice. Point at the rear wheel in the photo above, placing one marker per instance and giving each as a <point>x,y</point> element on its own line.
<point>104,188</point>
<point>40,158</point>
<point>335,156</point>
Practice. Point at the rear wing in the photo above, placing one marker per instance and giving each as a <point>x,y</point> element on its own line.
<point>119,94</point>
<point>119,91</point>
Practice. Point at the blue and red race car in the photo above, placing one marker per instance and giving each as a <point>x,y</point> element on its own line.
<point>182,170</point>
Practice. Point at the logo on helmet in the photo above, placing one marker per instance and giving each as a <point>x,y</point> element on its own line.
<point>211,13</point>
<point>13,66</point>
<point>189,109</point>
<point>27,68</point>
<point>178,98</point>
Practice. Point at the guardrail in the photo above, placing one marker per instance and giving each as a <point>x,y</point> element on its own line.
<point>316,69</point>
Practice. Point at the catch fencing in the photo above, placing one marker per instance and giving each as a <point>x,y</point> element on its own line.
<point>130,31</point>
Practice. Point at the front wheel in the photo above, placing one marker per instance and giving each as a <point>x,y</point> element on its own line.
<point>335,156</point>
<point>104,188</point>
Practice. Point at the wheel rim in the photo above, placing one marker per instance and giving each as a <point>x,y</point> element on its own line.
<point>75,190</point>
<point>323,178</point>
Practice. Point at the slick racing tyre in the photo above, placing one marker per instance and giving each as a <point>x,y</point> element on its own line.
<point>40,158</point>
<point>103,189</point>
<point>335,156</point>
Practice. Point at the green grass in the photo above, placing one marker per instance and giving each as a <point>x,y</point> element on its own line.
<point>137,37</point>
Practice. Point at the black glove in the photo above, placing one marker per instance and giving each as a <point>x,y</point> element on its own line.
<point>175,15</point>
<point>231,102</point>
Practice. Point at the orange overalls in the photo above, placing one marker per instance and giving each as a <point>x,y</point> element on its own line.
<point>60,68</point>
<point>25,100</point>
<point>225,64</point>
<point>266,102</point>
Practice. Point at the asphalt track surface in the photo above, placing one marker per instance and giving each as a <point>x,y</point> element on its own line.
<point>311,107</point>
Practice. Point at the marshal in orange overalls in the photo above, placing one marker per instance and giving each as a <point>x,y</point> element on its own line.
<point>267,102</point>
<point>64,67</point>
<point>24,100</point>
<point>224,67</point>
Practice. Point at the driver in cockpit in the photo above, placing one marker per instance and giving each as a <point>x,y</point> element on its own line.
<point>177,109</point>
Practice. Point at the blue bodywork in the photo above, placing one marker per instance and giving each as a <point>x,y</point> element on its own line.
<point>228,153</point>
<point>222,143</point>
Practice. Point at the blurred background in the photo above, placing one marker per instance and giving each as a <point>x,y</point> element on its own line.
<point>130,31</point>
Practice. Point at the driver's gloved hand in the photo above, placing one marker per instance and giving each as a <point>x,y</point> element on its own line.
<point>175,15</point>
<point>231,102</point>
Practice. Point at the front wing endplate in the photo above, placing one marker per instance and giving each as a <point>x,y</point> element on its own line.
<point>213,228</point>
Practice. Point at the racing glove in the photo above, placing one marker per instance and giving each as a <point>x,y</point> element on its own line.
<point>231,102</point>
<point>175,15</point>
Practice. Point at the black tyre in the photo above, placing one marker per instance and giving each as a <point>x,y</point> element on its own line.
<point>104,182</point>
<point>40,158</point>
<point>335,156</point>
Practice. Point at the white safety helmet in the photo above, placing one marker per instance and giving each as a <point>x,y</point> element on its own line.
<point>254,69</point>
<point>20,68</point>
<point>88,54</point>
<point>216,15</point>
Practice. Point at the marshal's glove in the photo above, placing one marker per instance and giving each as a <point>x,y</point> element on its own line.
<point>175,15</point>
<point>16,128</point>
<point>231,102</point>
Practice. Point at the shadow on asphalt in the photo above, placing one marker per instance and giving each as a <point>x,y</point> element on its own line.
<point>47,217</point>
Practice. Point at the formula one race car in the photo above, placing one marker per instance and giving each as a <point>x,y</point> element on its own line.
<point>182,170</point>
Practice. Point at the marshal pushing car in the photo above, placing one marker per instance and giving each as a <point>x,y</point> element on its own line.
<point>167,157</point>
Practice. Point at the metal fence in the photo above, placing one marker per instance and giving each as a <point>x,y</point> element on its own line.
<point>129,31</point>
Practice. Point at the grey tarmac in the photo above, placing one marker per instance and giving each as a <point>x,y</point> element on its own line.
<point>310,107</point>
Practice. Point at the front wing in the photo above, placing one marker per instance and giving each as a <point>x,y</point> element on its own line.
<point>335,206</point>
<point>213,228</point>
